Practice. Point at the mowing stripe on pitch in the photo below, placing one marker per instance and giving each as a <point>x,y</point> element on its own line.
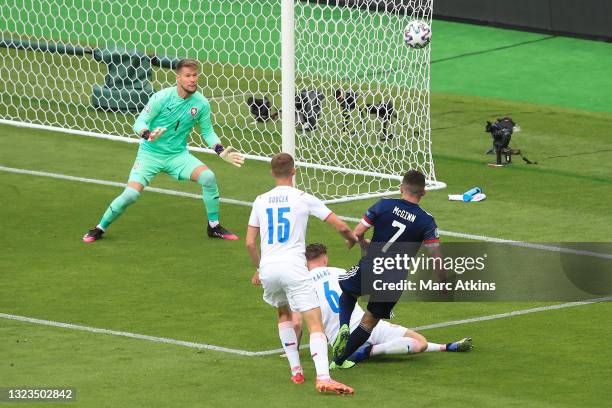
<point>203,346</point>
<point>352,219</point>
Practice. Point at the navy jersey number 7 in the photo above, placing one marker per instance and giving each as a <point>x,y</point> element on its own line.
<point>397,220</point>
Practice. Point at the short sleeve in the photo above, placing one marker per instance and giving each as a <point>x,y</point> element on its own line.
<point>316,207</point>
<point>253,219</point>
<point>372,214</point>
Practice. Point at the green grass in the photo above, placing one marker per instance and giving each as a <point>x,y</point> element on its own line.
<point>536,364</point>
<point>522,194</point>
<point>175,286</point>
<point>156,274</point>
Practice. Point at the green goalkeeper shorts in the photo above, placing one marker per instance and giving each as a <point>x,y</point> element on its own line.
<point>147,165</point>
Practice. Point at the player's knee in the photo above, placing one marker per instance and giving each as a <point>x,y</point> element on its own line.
<point>207,178</point>
<point>284,314</point>
<point>297,321</point>
<point>421,345</point>
<point>419,342</point>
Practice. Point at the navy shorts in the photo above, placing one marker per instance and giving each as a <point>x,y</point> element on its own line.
<point>380,305</point>
<point>351,282</point>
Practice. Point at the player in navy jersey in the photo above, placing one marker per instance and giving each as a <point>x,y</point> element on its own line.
<point>400,228</point>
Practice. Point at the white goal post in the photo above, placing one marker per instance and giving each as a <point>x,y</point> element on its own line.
<point>331,82</point>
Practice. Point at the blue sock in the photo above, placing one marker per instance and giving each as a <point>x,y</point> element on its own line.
<point>359,336</point>
<point>347,305</point>
<point>451,346</point>
<point>362,353</point>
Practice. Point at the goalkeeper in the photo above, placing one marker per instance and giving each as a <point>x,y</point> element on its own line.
<point>164,125</point>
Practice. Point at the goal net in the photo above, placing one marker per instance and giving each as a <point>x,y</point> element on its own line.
<point>361,95</point>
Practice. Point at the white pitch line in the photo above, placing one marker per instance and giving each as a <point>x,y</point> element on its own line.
<point>200,346</point>
<point>513,313</point>
<point>203,346</point>
<point>489,317</point>
<point>115,184</point>
<point>523,244</point>
<point>530,245</point>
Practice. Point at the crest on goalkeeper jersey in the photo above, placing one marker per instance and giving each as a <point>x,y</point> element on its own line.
<point>194,111</point>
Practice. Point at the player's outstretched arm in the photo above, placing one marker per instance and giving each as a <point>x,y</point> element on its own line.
<point>230,155</point>
<point>343,229</point>
<point>251,245</point>
<point>207,132</point>
<point>359,232</point>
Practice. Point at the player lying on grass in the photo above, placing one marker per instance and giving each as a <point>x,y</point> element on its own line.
<point>280,216</point>
<point>386,338</point>
<point>165,125</point>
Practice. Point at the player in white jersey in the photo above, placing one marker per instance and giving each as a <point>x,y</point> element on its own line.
<point>386,338</point>
<point>280,216</point>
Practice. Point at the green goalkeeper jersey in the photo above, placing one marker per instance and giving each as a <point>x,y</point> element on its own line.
<point>166,109</point>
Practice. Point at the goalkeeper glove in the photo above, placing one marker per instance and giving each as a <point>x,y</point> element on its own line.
<point>230,155</point>
<point>152,135</point>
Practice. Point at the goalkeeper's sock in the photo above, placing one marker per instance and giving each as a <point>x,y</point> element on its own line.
<point>286,332</point>
<point>347,305</point>
<point>210,195</point>
<point>118,206</point>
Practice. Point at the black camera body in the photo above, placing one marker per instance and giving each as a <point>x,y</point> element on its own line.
<point>261,109</point>
<point>347,99</point>
<point>502,131</point>
<point>308,109</point>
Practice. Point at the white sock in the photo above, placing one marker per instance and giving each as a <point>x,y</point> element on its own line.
<point>403,345</point>
<point>286,332</point>
<point>433,347</point>
<point>100,227</point>
<point>213,224</point>
<point>318,351</point>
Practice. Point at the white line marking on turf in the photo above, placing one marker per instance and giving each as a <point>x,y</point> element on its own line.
<point>530,245</point>
<point>190,344</point>
<point>115,184</point>
<point>513,313</point>
<point>493,317</point>
<point>202,346</point>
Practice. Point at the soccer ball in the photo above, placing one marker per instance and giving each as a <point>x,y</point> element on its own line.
<point>417,34</point>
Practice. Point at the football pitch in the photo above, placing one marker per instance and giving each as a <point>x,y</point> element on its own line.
<point>183,326</point>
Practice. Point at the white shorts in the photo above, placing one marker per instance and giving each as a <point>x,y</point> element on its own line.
<point>286,284</point>
<point>385,331</point>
